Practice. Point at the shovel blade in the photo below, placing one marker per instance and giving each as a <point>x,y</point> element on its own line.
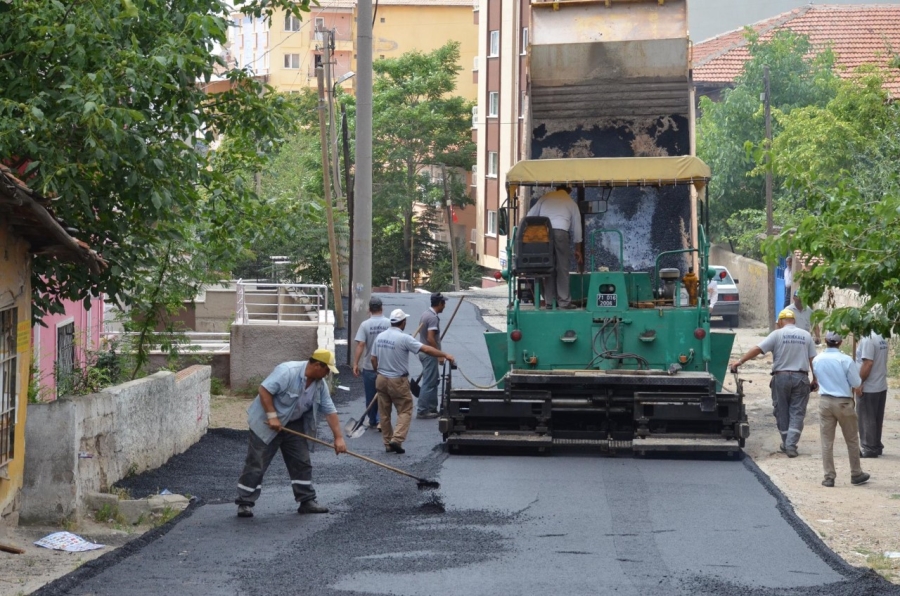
<point>358,432</point>
<point>351,426</point>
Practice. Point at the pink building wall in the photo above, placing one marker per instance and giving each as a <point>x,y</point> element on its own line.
<point>88,325</point>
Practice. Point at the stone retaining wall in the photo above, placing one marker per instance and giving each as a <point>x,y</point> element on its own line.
<point>76,446</point>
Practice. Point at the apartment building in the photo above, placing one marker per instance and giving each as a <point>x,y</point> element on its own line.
<point>500,116</point>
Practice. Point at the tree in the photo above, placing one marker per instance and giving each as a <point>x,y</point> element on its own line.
<point>730,129</point>
<point>417,123</point>
<point>840,160</point>
<point>102,104</point>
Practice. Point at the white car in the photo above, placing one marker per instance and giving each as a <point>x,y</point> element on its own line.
<point>728,304</point>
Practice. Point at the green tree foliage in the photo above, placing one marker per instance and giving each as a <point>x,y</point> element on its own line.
<point>840,162</point>
<point>417,122</point>
<point>102,104</point>
<point>731,127</point>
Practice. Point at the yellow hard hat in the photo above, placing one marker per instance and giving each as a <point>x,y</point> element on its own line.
<point>786,314</point>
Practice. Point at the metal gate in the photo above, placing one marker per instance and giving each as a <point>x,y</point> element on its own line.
<point>8,383</point>
<point>65,358</point>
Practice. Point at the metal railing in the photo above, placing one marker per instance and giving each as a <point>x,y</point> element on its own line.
<point>280,304</point>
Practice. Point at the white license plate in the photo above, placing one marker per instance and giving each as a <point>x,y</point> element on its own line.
<point>607,300</point>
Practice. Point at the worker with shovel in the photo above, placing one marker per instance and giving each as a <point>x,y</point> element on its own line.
<point>390,358</point>
<point>291,397</point>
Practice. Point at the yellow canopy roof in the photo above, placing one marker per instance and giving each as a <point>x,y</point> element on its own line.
<point>610,171</point>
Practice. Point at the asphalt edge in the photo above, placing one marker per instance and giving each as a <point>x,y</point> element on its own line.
<point>806,533</point>
<point>62,585</point>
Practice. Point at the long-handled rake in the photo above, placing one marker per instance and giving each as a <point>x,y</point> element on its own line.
<point>422,483</point>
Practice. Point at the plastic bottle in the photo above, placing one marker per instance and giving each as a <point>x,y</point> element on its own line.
<point>692,283</point>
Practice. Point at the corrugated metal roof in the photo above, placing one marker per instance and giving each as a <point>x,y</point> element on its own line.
<point>860,34</point>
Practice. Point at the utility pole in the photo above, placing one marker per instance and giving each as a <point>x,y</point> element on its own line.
<point>345,137</point>
<point>770,224</point>
<point>332,243</point>
<point>449,207</point>
<point>362,194</point>
<point>343,249</point>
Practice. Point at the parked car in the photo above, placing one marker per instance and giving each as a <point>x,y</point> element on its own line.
<point>728,305</point>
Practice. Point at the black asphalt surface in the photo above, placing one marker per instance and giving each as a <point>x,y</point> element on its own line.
<point>577,524</point>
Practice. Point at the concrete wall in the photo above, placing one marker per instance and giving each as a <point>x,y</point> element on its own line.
<point>219,362</point>
<point>85,444</point>
<point>257,349</point>
<point>752,276</point>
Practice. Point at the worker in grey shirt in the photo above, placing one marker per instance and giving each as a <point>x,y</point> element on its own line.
<point>872,356</point>
<point>558,206</point>
<point>792,353</point>
<point>838,377</point>
<point>365,340</point>
<point>390,357</point>
<point>430,334</point>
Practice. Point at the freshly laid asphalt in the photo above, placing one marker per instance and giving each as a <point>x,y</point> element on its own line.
<point>500,524</point>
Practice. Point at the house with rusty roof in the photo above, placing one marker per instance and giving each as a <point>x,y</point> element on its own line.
<point>27,228</point>
<point>858,34</point>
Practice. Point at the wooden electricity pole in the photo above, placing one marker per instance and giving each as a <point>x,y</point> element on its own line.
<point>332,243</point>
<point>449,208</point>
<point>770,224</point>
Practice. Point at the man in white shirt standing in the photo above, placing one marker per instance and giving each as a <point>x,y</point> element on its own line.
<point>565,219</point>
<point>838,378</point>
<point>788,280</point>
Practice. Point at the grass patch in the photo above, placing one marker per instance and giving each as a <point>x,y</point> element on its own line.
<point>165,516</point>
<point>108,514</point>
<point>216,386</point>
<point>881,564</point>
<point>69,524</point>
<point>895,496</point>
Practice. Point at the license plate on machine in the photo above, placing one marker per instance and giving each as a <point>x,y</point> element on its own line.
<point>607,300</point>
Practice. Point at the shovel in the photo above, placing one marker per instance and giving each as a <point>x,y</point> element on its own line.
<point>354,428</point>
<point>422,483</point>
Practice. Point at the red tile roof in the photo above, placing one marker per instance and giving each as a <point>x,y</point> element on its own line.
<point>860,34</point>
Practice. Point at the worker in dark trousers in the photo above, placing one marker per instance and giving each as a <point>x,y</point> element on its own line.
<point>565,219</point>
<point>291,397</point>
<point>872,356</point>
<point>792,353</point>
<point>365,340</point>
<point>430,334</point>
<point>838,377</point>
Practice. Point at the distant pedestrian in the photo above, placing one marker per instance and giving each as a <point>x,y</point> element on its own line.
<point>430,334</point>
<point>365,340</point>
<point>788,280</point>
<point>792,353</point>
<point>292,397</point>
<point>712,290</point>
<point>803,317</point>
<point>565,219</point>
<point>390,357</point>
<point>838,377</point>
<point>872,356</point>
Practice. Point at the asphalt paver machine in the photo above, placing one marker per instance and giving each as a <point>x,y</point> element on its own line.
<point>634,365</point>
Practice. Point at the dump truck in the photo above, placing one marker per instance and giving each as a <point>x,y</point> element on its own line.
<point>635,365</point>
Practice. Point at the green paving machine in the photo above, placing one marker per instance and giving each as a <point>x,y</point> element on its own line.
<point>634,366</point>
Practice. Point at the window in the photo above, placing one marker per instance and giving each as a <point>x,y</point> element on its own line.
<point>491,224</point>
<point>495,43</point>
<point>292,61</point>
<point>65,357</point>
<point>473,237</point>
<point>524,40</point>
<point>8,383</point>
<point>475,5</point>
<point>320,28</point>
<point>475,63</point>
<point>493,104</point>
<point>291,23</point>
<point>493,164</point>
<point>382,19</point>
<point>475,175</point>
<point>474,116</point>
<point>521,104</point>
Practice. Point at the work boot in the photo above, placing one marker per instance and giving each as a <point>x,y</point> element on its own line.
<point>245,511</point>
<point>311,507</point>
<point>867,454</point>
<point>859,479</point>
<point>396,448</point>
<point>427,415</point>
<point>791,451</point>
<point>829,482</point>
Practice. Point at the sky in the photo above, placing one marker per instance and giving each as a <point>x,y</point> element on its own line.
<point>708,18</point>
